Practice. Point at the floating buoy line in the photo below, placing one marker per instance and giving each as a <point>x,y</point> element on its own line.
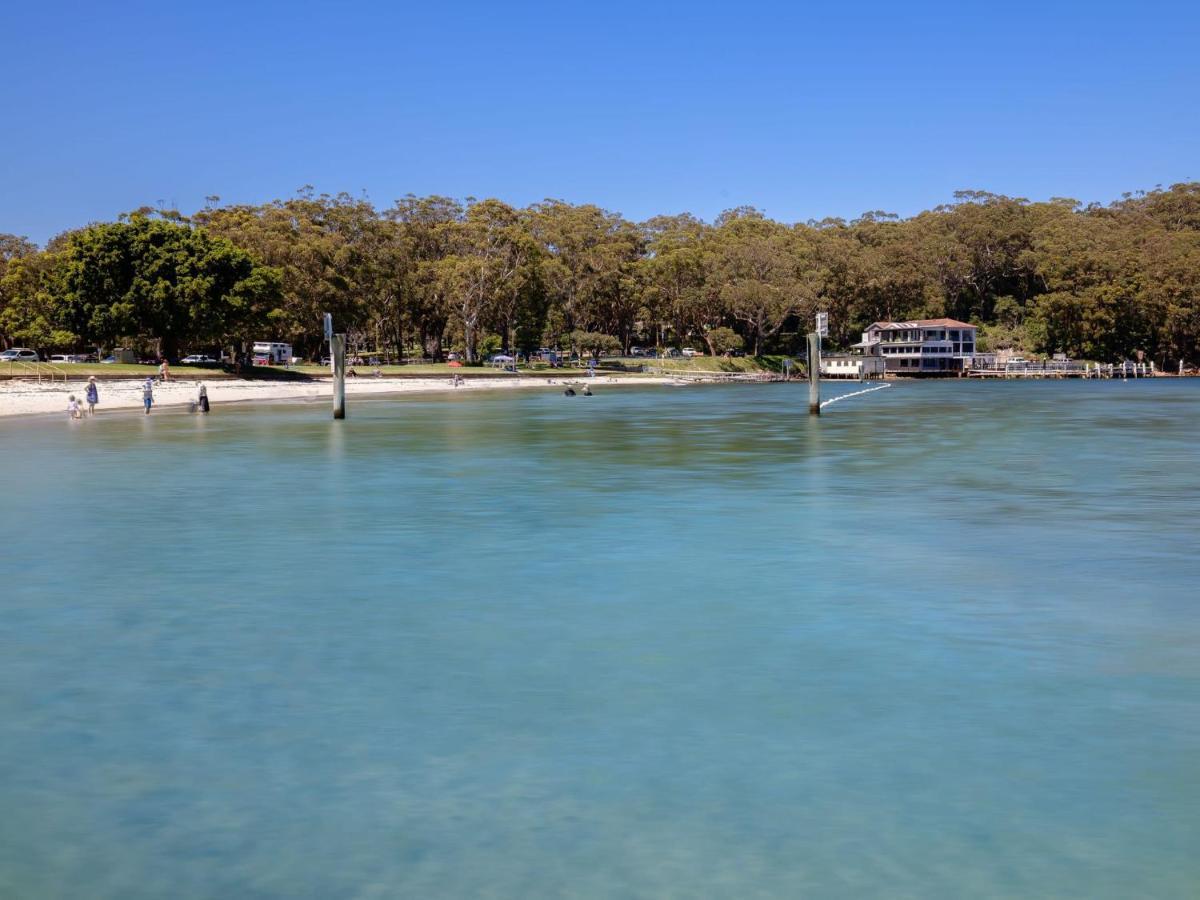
<point>879,387</point>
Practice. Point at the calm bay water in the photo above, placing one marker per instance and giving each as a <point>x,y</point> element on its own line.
<point>943,642</point>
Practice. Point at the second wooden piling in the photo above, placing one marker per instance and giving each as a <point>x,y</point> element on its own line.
<point>814,374</point>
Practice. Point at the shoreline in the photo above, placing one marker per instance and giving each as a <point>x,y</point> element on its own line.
<point>21,399</point>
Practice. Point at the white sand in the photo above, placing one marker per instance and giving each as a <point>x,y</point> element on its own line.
<point>29,398</point>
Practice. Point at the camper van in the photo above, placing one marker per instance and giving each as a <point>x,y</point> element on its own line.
<point>269,353</point>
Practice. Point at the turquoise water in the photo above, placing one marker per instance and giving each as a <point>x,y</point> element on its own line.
<point>942,642</point>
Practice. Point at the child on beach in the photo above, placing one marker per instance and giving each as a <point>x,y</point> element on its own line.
<point>164,370</point>
<point>73,411</point>
<point>93,395</point>
<point>148,394</point>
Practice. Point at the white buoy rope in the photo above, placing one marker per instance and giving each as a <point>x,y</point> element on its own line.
<point>879,387</point>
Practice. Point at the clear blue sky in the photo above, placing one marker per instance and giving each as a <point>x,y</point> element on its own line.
<point>803,110</point>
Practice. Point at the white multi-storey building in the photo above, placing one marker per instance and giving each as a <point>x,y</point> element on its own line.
<point>923,347</point>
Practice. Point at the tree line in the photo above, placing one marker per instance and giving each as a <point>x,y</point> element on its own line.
<point>432,274</point>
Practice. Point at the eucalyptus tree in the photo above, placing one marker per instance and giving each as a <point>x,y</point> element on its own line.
<point>673,278</point>
<point>428,233</point>
<point>588,267</point>
<point>491,252</point>
<point>755,267</point>
<point>312,240</point>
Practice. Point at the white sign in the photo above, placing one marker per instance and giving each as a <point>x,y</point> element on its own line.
<point>328,326</point>
<point>823,324</point>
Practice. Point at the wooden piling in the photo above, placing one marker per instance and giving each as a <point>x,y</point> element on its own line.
<point>337,348</point>
<point>814,374</point>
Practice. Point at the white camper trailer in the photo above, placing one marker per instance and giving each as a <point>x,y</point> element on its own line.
<point>270,353</point>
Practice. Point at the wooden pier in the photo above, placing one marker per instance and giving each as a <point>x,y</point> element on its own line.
<point>1057,368</point>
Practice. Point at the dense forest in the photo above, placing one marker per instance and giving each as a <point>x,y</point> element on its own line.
<point>431,274</point>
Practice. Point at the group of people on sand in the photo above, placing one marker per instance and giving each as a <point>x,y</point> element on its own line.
<point>92,396</point>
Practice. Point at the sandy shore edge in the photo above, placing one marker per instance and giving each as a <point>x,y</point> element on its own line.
<point>33,399</point>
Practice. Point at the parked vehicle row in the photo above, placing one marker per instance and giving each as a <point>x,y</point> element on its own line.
<point>25,355</point>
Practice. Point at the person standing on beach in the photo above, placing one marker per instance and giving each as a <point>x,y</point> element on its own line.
<point>148,394</point>
<point>93,395</point>
<point>202,400</point>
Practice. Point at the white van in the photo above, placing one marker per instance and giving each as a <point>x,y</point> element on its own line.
<point>271,353</point>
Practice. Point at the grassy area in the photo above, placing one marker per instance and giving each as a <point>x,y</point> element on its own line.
<point>698,364</point>
<point>442,369</point>
<point>83,370</point>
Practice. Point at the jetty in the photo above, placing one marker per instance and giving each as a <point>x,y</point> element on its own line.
<point>1059,368</point>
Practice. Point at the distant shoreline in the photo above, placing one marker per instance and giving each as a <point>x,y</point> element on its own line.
<point>32,399</point>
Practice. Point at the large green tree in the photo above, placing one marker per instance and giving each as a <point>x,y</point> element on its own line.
<point>163,281</point>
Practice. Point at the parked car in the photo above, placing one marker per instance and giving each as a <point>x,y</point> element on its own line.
<point>198,359</point>
<point>19,354</point>
<point>108,360</point>
<point>689,352</point>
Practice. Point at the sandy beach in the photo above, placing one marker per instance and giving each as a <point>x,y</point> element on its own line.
<point>19,398</point>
